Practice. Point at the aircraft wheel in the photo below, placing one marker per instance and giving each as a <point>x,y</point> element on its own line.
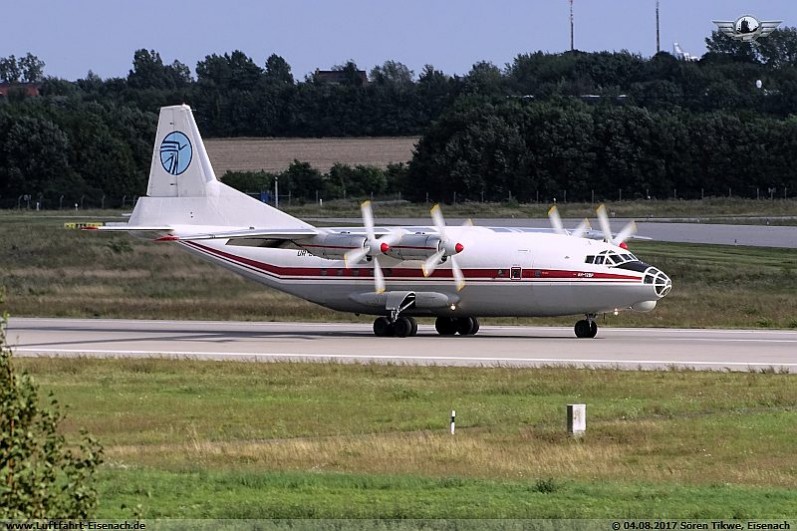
<point>466,326</point>
<point>475,329</point>
<point>383,327</point>
<point>414,323</point>
<point>445,326</point>
<point>586,329</point>
<point>402,327</point>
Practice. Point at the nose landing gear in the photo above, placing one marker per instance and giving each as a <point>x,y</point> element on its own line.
<point>586,328</point>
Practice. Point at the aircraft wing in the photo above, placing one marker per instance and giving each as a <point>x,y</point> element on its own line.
<point>598,235</point>
<point>271,234</point>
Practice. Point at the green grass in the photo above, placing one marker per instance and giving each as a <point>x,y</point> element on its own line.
<point>290,440</point>
<point>332,495</point>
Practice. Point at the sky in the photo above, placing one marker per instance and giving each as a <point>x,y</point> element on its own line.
<point>75,36</point>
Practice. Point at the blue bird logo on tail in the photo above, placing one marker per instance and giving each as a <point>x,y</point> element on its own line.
<point>176,153</point>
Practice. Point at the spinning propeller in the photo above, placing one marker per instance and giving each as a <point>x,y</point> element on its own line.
<point>626,232</point>
<point>446,247</point>
<point>581,230</point>
<point>372,246</point>
<point>558,228</point>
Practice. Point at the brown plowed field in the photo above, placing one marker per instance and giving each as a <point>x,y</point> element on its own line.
<point>276,154</point>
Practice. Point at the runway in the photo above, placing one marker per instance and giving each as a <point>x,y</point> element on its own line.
<point>630,349</point>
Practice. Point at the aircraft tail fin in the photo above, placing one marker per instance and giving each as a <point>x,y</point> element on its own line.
<point>183,189</point>
<point>180,165</point>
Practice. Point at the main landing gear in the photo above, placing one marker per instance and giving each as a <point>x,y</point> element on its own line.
<point>464,326</point>
<point>586,328</point>
<point>401,327</point>
<point>407,326</point>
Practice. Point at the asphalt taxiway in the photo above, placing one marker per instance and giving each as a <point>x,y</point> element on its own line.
<point>631,349</point>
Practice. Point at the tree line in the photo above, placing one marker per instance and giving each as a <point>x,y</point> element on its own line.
<point>569,150</point>
<point>545,125</point>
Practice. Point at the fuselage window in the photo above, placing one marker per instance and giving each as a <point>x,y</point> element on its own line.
<point>515,273</point>
<point>598,259</point>
<point>501,273</point>
<point>590,259</point>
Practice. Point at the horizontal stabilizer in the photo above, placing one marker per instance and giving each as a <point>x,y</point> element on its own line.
<point>174,233</point>
<point>125,227</point>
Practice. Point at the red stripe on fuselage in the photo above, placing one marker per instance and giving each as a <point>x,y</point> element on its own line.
<point>342,273</point>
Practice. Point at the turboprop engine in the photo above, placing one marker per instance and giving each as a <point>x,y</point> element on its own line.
<point>332,246</point>
<point>420,246</point>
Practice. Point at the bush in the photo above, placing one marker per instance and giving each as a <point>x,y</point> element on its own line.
<point>40,476</point>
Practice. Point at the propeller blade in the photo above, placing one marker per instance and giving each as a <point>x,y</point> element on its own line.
<point>556,221</point>
<point>458,276</point>
<point>432,262</point>
<point>368,220</point>
<point>603,218</point>
<point>439,222</point>
<point>581,229</point>
<point>628,231</point>
<point>379,277</point>
<point>355,256</point>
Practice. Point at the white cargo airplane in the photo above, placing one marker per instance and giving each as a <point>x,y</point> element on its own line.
<point>456,274</point>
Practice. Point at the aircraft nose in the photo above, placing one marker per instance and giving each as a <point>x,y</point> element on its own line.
<point>661,283</point>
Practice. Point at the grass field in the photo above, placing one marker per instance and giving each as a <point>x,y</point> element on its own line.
<point>276,154</point>
<point>283,440</point>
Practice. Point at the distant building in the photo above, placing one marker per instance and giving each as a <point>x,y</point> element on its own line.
<point>30,89</point>
<point>340,77</point>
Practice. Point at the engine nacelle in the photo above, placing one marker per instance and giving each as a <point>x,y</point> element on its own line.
<point>415,247</point>
<point>420,246</point>
<point>333,246</point>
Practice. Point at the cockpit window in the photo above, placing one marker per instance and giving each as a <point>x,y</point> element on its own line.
<point>610,258</point>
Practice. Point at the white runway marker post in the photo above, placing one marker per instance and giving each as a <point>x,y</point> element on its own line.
<point>453,420</point>
<point>576,419</point>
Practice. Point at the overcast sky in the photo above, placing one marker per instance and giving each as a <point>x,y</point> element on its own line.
<point>75,36</point>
